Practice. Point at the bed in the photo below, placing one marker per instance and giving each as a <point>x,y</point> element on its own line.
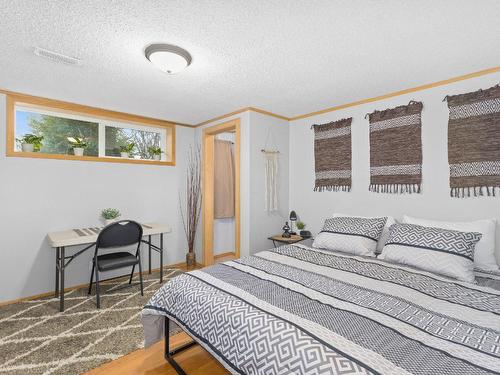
<point>300,310</point>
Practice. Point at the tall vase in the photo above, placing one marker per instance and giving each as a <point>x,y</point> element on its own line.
<point>190,259</point>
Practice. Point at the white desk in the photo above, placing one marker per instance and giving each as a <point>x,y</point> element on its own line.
<point>88,236</point>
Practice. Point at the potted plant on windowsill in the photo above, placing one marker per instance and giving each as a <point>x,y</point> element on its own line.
<point>78,144</point>
<point>126,150</point>
<point>31,143</point>
<point>155,152</point>
<point>110,215</point>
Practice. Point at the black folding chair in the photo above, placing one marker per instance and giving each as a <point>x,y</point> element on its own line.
<point>119,234</point>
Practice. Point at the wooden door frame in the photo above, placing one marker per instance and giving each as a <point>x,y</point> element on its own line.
<point>208,137</point>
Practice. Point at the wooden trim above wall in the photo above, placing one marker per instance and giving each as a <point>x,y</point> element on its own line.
<point>400,92</point>
<point>360,102</point>
<point>93,111</point>
<point>152,121</point>
<point>241,111</point>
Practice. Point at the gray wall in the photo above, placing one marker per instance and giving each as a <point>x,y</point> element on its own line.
<point>42,195</point>
<point>264,224</point>
<point>256,223</point>
<point>435,201</point>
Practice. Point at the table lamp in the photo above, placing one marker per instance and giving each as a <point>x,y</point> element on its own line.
<point>293,219</point>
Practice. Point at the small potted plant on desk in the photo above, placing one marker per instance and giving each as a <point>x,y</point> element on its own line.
<point>126,150</point>
<point>155,152</point>
<point>31,143</point>
<point>78,144</point>
<point>110,215</point>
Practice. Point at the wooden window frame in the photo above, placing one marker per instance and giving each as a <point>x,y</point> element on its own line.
<point>14,99</point>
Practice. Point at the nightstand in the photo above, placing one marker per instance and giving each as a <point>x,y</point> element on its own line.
<point>283,240</point>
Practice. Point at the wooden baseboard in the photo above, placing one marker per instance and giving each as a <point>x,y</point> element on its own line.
<point>182,266</point>
<point>223,255</point>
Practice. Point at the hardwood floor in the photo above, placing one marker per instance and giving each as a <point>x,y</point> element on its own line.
<point>195,361</point>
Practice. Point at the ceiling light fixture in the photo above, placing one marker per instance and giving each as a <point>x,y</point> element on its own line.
<point>168,58</point>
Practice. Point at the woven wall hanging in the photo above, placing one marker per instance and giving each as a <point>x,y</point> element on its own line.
<point>396,149</point>
<point>474,143</point>
<point>332,155</point>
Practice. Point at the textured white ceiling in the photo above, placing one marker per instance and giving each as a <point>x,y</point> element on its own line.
<point>288,57</point>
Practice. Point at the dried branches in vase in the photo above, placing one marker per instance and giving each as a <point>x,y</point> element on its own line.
<point>190,202</point>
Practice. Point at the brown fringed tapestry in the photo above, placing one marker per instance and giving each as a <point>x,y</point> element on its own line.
<point>332,155</point>
<point>474,143</point>
<point>396,149</point>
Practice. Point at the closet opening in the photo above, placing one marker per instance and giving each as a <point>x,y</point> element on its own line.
<point>221,192</point>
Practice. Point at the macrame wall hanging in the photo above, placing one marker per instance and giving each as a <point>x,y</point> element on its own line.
<point>332,155</point>
<point>271,179</point>
<point>271,158</point>
<point>396,149</point>
<point>474,143</point>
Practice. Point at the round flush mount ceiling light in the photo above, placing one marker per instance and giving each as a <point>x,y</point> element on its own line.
<point>168,58</point>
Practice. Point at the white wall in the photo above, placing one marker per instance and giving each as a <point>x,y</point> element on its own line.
<point>42,195</point>
<point>256,224</point>
<point>262,223</point>
<point>434,202</point>
<point>244,178</point>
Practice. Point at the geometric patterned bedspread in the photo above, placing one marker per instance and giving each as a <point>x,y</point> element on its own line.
<point>299,310</point>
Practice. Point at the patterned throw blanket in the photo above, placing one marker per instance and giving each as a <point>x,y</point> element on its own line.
<point>473,143</point>
<point>332,155</point>
<point>396,149</point>
<point>297,310</point>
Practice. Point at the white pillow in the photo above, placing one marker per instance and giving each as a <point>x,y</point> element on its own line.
<point>349,234</point>
<point>484,254</point>
<point>441,251</point>
<point>385,231</point>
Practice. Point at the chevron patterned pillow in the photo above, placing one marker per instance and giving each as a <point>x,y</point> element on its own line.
<point>354,235</point>
<point>441,251</point>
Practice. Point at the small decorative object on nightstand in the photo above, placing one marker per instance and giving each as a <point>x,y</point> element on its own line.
<point>286,233</point>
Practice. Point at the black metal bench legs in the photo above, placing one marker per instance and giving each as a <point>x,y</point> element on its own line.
<point>170,353</point>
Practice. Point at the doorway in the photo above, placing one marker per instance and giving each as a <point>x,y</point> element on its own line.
<point>221,222</point>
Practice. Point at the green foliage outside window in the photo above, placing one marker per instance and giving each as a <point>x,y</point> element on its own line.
<point>56,130</point>
<point>143,140</point>
<point>60,135</point>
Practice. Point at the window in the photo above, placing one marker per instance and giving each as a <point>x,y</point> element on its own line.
<point>86,134</point>
<point>144,140</point>
<point>55,131</point>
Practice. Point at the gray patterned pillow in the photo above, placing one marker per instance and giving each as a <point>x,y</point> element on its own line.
<point>354,235</point>
<point>441,251</point>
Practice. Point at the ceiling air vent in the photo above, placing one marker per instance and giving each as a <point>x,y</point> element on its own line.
<point>57,57</point>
